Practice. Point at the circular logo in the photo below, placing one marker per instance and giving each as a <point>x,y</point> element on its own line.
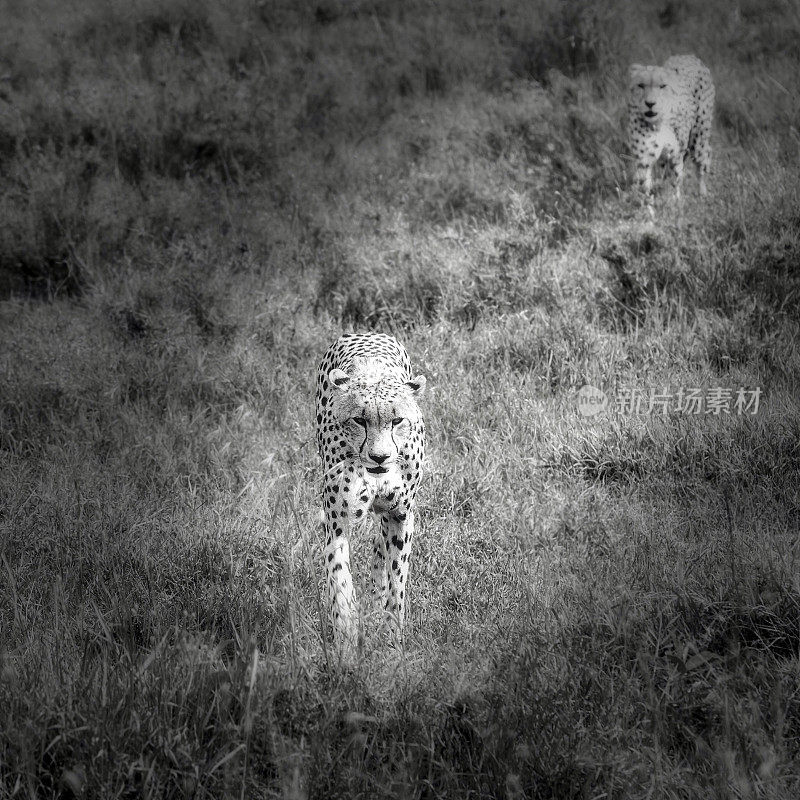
<point>590,400</point>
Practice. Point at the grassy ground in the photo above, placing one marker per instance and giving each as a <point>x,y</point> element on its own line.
<point>197,198</point>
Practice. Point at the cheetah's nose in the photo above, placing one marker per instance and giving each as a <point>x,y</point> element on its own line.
<point>649,103</point>
<point>378,459</point>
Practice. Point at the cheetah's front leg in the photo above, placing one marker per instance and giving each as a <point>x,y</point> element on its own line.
<point>644,180</point>
<point>675,161</point>
<point>380,578</point>
<point>398,529</point>
<point>644,177</point>
<point>346,499</point>
<point>702,162</point>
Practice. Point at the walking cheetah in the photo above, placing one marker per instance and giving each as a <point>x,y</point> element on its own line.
<point>371,439</point>
<point>670,110</point>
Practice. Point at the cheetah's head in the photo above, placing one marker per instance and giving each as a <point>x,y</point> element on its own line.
<point>652,93</point>
<point>377,414</point>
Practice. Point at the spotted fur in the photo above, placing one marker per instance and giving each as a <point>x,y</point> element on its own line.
<point>371,439</point>
<point>670,111</point>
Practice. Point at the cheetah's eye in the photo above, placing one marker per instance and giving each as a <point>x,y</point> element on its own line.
<point>398,420</point>
<point>663,86</point>
<point>359,421</point>
<point>640,85</point>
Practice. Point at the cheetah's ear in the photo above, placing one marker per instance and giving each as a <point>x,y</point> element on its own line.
<point>338,378</point>
<point>417,385</point>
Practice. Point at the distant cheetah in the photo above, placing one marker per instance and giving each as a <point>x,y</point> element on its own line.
<point>371,439</point>
<point>670,111</point>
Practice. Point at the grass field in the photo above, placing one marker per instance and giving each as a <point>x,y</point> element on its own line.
<point>196,198</point>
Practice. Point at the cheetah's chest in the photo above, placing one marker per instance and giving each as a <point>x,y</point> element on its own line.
<point>660,142</point>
